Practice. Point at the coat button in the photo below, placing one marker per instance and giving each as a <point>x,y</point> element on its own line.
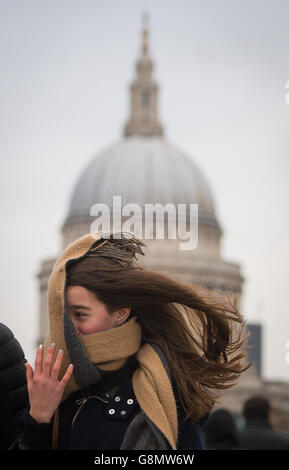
<point>112,411</point>
<point>117,399</point>
<point>130,401</point>
<point>123,412</point>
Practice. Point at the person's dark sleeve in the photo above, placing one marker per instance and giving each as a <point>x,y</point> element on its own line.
<point>35,436</point>
<point>13,388</point>
<point>190,435</point>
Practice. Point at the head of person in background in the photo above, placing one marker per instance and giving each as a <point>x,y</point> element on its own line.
<point>257,408</point>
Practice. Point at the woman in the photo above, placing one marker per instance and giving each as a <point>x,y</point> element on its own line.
<point>148,354</point>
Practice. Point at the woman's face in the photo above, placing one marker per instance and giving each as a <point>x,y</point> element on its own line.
<point>89,315</point>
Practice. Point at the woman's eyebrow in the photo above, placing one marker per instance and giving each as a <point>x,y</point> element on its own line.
<point>80,306</point>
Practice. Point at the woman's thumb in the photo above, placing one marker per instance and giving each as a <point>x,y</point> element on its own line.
<point>29,372</point>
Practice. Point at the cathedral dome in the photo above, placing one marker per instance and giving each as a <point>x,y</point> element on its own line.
<point>142,170</point>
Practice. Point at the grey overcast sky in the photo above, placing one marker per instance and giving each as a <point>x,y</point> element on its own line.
<point>222,66</point>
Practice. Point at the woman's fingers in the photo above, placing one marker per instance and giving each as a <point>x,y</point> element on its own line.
<point>38,361</point>
<point>49,369</point>
<point>56,369</point>
<point>48,360</point>
<point>67,375</point>
<point>57,364</point>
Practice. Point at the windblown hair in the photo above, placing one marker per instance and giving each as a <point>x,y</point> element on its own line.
<point>201,334</point>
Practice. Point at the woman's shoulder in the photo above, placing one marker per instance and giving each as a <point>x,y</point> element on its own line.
<point>189,433</point>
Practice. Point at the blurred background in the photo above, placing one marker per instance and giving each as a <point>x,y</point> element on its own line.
<point>215,114</point>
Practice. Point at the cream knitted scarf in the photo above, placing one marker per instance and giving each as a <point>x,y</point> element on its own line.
<point>108,350</point>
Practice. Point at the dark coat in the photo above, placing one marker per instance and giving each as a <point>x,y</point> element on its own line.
<point>259,435</point>
<point>99,416</point>
<point>13,389</point>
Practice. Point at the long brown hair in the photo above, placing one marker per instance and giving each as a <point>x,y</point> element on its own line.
<point>201,334</point>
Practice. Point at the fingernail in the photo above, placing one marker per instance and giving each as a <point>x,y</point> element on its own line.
<point>70,366</point>
<point>40,346</point>
<point>60,351</point>
<point>52,345</point>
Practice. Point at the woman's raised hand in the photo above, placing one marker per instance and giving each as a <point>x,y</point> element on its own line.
<point>44,388</point>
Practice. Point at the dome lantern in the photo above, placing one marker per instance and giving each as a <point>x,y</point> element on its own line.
<point>143,119</point>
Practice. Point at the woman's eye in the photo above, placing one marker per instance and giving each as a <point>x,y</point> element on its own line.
<point>80,315</point>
